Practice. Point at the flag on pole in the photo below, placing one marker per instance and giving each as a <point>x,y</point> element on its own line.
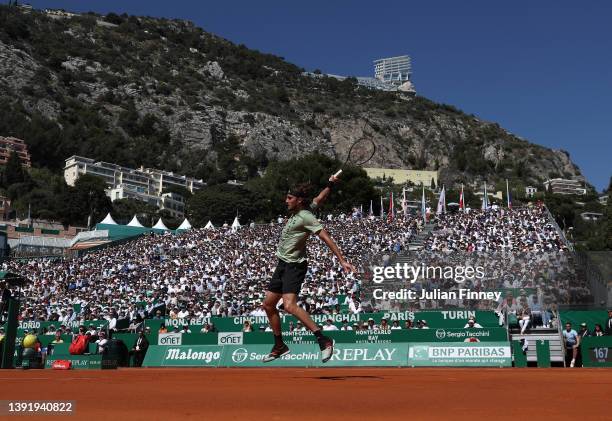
<point>404,203</point>
<point>442,202</point>
<point>461,200</point>
<point>371,208</point>
<point>485,198</point>
<point>391,209</point>
<point>508,197</point>
<point>382,209</point>
<point>423,206</point>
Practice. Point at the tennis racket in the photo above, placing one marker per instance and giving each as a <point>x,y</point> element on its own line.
<point>360,152</point>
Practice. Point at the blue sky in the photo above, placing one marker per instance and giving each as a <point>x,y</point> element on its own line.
<point>541,69</point>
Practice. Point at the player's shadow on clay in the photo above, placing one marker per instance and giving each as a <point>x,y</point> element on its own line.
<point>347,377</point>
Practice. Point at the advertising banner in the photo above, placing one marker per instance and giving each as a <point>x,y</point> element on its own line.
<point>345,355</point>
<point>386,336</point>
<point>230,338</point>
<point>88,362</point>
<point>171,339</point>
<point>356,337</point>
<point>451,319</point>
<point>492,354</point>
<point>39,326</point>
<point>597,351</point>
<point>183,356</point>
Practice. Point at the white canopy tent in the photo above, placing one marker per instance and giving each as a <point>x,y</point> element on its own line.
<point>108,220</point>
<point>209,226</point>
<point>135,223</point>
<point>236,224</point>
<point>185,225</point>
<point>160,225</point>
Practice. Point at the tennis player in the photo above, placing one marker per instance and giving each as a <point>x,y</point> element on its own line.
<point>286,282</point>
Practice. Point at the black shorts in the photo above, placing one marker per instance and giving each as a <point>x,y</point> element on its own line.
<point>288,277</point>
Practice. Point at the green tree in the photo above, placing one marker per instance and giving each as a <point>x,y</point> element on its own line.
<point>125,209</point>
<point>221,203</point>
<point>87,197</point>
<point>354,188</point>
<point>13,172</point>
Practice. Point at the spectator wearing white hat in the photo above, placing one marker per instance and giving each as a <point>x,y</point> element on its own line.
<point>471,324</point>
<point>423,324</point>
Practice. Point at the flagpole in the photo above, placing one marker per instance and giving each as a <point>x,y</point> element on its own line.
<point>509,204</point>
<point>423,206</point>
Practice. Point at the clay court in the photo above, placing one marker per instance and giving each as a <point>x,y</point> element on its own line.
<point>335,393</point>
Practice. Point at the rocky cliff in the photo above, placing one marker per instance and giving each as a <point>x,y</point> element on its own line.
<point>164,93</point>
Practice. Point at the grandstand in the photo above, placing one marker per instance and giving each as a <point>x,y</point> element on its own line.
<point>213,281</point>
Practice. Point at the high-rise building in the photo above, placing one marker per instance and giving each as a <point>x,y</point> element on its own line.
<point>394,70</point>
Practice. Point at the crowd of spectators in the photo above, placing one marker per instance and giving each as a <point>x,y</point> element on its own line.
<point>526,230</point>
<point>200,273</point>
<point>224,272</point>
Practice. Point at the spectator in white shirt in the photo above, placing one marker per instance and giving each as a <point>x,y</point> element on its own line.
<point>395,325</point>
<point>423,324</point>
<point>471,324</point>
<point>329,325</point>
<point>101,342</point>
<point>371,324</point>
<point>345,325</point>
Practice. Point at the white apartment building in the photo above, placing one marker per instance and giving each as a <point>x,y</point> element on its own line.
<point>144,184</point>
<point>563,186</point>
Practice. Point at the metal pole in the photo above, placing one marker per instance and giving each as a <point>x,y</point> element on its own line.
<point>8,348</point>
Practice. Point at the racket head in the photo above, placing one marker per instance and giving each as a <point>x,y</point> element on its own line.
<point>360,152</point>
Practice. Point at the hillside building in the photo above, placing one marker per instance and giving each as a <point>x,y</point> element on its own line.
<point>390,74</point>
<point>10,144</point>
<point>144,184</point>
<point>400,176</point>
<point>530,191</point>
<point>564,186</point>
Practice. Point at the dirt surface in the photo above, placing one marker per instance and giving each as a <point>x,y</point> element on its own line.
<point>307,394</point>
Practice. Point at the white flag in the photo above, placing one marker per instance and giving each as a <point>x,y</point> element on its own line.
<point>423,206</point>
<point>442,202</point>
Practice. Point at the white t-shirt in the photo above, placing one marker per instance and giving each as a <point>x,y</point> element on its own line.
<point>101,344</point>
